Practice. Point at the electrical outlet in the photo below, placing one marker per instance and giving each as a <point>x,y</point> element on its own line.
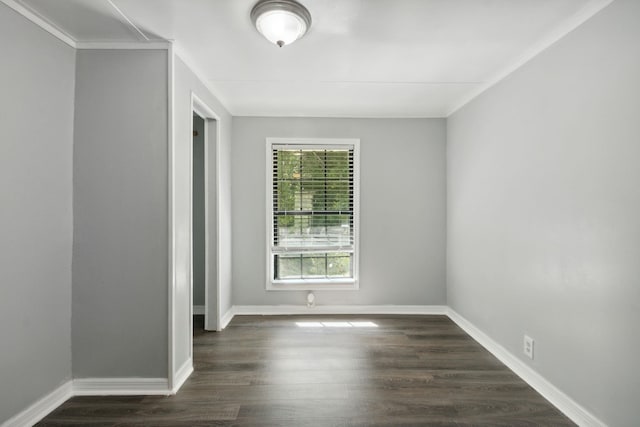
<point>528,346</point>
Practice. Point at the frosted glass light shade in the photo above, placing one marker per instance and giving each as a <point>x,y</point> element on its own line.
<point>280,26</point>
<point>281,21</point>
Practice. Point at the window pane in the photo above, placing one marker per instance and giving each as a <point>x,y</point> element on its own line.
<point>288,267</point>
<point>288,163</point>
<point>338,165</point>
<point>339,265</point>
<point>313,192</point>
<point>315,180</point>
<point>287,195</point>
<point>314,266</point>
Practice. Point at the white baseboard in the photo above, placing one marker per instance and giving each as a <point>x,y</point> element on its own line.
<point>198,309</point>
<point>42,407</point>
<point>120,386</point>
<point>560,400</point>
<point>272,310</point>
<point>160,386</point>
<point>181,376</point>
<point>226,318</point>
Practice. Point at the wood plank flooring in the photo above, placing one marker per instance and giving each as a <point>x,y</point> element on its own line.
<point>268,371</point>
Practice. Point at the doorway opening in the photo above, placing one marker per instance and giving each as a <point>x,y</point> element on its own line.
<point>198,223</point>
<point>204,225</point>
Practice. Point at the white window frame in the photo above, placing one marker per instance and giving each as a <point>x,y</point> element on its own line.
<point>348,284</point>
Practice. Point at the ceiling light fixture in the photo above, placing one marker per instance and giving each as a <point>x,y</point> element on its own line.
<point>281,21</point>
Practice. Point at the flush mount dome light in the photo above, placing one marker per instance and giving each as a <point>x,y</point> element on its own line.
<point>281,21</point>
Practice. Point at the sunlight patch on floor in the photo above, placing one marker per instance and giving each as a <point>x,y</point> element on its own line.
<point>366,324</point>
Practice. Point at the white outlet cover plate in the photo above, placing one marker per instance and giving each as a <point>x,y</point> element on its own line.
<point>528,346</point>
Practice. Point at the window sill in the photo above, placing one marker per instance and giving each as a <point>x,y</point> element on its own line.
<point>313,285</point>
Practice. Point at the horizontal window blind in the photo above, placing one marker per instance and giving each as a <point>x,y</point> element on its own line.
<point>313,211</point>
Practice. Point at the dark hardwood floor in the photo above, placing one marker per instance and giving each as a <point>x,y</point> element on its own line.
<point>269,371</point>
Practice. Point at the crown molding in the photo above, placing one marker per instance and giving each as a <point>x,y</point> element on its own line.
<point>584,14</point>
<point>96,45</point>
<point>152,45</point>
<point>179,51</point>
<point>40,22</point>
<point>128,21</point>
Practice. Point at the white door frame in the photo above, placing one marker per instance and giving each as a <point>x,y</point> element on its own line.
<point>199,107</point>
<point>178,375</point>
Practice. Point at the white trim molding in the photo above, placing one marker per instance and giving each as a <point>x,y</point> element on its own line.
<point>351,145</point>
<point>42,407</point>
<point>275,310</point>
<point>160,386</point>
<point>226,319</point>
<point>208,114</point>
<point>138,45</point>
<point>40,22</point>
<point>182,375</point>
<point>199,309</point>
<point>171,215</point>
<point>95,387</point>
<point>190,63</point>
<point>589,10</point>
<point>555,396</point>
<point>143,43</point>
<point>126,19</point>
<point>121,386</point>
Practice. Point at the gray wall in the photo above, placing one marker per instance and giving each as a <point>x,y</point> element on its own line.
<point>186,83</point>
<point>402,251</point>
<point>36,139</point>
<point>119,322</point>
<point>544,212</point>
<point>198,244</point>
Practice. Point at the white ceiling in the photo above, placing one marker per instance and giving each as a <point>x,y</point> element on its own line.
<point>361,58</point>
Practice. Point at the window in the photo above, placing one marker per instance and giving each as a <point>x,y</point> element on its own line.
<point>312,213</point>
